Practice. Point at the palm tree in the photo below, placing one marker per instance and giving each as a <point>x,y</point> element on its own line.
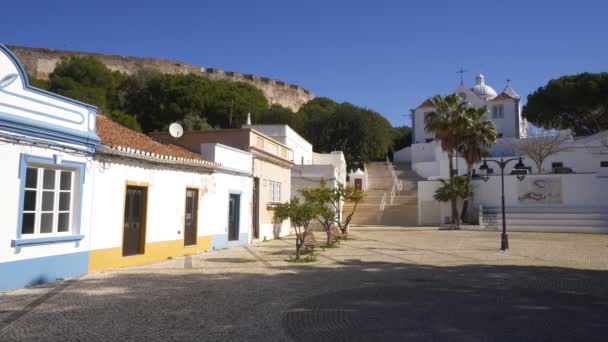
<point>452,191</point>
<point>478,134</point>
<point>444,122</point>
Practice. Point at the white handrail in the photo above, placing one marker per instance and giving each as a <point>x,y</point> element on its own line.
<point>383,202</point>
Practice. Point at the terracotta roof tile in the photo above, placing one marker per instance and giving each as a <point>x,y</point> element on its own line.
<point>502,96</point>
<point>113,134</point>
<point>426,103</point>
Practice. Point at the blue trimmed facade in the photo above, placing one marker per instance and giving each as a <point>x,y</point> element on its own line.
<point>49,131</point>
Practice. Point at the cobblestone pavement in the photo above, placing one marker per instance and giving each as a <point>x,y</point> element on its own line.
<point>382,285</point>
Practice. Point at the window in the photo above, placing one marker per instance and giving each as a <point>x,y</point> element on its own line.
<point>275,192</point>
<point>604,163</point>
<point>557,164</point>
<point>498,111</point>
<point>47,201</point>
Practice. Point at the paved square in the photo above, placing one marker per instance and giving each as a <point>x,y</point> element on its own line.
<point>382,285</point>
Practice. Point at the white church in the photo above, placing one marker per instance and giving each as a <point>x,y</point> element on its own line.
<point>572,202</point>
<point>503,109</point>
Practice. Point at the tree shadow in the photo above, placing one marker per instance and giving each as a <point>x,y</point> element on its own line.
<point>353,301</point>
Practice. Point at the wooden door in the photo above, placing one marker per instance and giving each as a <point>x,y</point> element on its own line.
<point>358,183</point>
<point>233,217</point>
<point>256,208</point>
<point>190,218</point>
<point>134,221</point>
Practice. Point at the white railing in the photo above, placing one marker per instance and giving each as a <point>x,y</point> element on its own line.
<point>382,206</point>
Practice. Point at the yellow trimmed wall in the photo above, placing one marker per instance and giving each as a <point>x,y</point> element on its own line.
<point>109,258</point>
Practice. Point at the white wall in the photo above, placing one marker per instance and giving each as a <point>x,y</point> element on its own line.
<point>231,158</point>
<point>10,200</point>
<point>404,155</point>
<point>302,149</point>
<point>336,159</point>
<point>166,201</point>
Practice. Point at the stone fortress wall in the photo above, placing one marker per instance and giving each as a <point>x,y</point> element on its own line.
<point>40,62</point>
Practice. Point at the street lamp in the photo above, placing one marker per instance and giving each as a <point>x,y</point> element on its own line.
<point>521,174</point>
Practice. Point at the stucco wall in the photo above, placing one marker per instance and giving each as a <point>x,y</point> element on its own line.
<point>267,172</point>
<point>40,62</point>
<point>164,232</point>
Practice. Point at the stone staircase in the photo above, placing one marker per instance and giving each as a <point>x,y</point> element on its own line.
<point>401,211</point>
<point>547,219</point>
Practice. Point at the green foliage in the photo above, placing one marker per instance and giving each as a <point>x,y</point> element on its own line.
<point>170,98</point>
<point>277,114</point>
<point>88,80</point>
<point>577,102</point>
<point>445,122</point>
<point>40,84</point>
<point>402,137</point>
<point>361,134</point>
<point>153,101</point>
<point>307,259</point>
<point>125,119</point>
<point>447,192</point>
<point>300,215</point>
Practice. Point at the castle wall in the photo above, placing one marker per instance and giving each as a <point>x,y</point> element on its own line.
<point>40,63</point>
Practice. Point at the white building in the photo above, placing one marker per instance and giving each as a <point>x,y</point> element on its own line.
<point>504,109</point>
<point>154,201</point>
<point>310,167</point>
<point>47,143</point>
<point>574,201</point>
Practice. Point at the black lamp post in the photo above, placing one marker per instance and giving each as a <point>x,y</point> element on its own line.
<point>483,169</point>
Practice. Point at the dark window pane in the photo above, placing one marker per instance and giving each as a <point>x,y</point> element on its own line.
<point>64,222</point>
<point>49,179</point>
<point>48,198</point>
<point>31,177</point>
<point>29,200</point>
<point>46,223</point>
<point>66,180</point>
<point>27,225</point>
<point>64,201</point>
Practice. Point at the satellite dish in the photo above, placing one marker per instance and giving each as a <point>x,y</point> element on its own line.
<point>176,130</point>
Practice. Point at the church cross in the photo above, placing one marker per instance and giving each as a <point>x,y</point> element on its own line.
<point>461,71</point>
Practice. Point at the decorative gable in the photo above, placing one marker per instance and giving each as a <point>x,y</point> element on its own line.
<point>36,113</point>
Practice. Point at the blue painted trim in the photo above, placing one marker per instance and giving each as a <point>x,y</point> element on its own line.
<point>27,86</point>
<point>46,240</point>
<point>42,270</point>
<point>15,124</point>
<point>24,160</point>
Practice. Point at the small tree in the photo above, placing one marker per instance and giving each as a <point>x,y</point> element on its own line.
<point>458,189</point>
<point>541,144</point>
<point>347,193</point>
<point>300,215</point>
<point>324,198</point>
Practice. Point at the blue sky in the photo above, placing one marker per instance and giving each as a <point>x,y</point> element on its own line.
<point>385,55</point>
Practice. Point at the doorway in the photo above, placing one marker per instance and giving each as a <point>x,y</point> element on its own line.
<point>134,228</point>
<point>358,183</point>
<point>234,207</point>
<point>190,218</point>
<point>256,208</point>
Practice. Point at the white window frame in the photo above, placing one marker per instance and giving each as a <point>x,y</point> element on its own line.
<point>39,189</point>
<point>275,192</point>
<point>498,111</point>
